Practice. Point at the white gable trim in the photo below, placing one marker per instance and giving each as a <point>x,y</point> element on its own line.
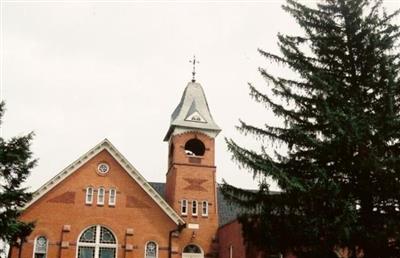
<point>140,180</point>
<point>195,117</point>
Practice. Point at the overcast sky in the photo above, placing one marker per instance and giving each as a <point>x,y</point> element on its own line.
<point>78,72</point>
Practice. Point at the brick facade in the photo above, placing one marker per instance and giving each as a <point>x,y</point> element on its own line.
<point>231,241</point>
<point>142,212</point>
<point>62,214</point>
<point>192,178</point>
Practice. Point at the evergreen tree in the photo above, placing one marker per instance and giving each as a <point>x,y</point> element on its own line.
<point>340,177</point>
<point>15,165</point>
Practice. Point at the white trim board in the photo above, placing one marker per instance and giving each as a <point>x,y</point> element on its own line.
<point>140,180</point>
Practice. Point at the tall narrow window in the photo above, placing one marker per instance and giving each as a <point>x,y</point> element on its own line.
<point>151,250</point>
<point>204,209</point>
<point>40,247</point>
<point>112,197</point>
<point>230,251</point>
<point>89,195</point>
<point>100,196</point>
<point>184,207</point>
<point>194,208</point>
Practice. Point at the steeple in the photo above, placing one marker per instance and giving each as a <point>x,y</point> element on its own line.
<point>191,188</point>
<point>194,62</point>
<point>192,113</point>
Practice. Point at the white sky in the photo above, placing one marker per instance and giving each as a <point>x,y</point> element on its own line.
<point>78,72</point>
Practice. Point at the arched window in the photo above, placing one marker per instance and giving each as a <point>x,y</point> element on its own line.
<point>112,197</point>
<point>97,242</point>
<point>100,196</point>
<point>195,147</point>
<point>40,247</point>
<point>151,250</point>
<point>89,195</point>
<point>192,249</point>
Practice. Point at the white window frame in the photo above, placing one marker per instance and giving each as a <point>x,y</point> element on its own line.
<point>185,254</point>
<point>34,246</point>
<point>89,193</point>
<point>204,208</point>
<point>97,245</point>
<point>195,208</point>
<point>101,194</point>
<point>145,248</point>
<point>184,207</point>
<point>112,197</point>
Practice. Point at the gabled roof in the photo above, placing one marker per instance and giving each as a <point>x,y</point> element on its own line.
<point>193,101</point>
<point>139,179</point>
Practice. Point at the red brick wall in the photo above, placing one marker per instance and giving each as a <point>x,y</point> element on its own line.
<point>65,205</point>
<point>194,180</point>
<point>231,235</point>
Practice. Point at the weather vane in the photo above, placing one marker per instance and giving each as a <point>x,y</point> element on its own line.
<point>194,62</point>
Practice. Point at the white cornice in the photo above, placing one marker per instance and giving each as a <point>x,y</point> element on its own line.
<point>140,180</point>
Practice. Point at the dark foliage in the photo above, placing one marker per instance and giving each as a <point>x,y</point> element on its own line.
<point>15,165</point>
<point>341,174</point>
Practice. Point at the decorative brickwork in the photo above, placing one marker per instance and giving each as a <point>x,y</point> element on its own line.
<point>187,180</point>
<point>195,184</point>
<point>133,202</point>
<point>67,197</point>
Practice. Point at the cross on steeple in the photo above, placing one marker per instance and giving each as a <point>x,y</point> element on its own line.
<point>194,62</point>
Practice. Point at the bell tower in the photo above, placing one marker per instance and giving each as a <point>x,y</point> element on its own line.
<point>191,177</point>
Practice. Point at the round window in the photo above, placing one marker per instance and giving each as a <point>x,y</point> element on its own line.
<point>103,168</point>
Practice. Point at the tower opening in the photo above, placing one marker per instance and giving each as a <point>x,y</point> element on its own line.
<point>195,147</point>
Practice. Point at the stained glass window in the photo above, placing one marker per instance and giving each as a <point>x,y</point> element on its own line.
<point>106,252</point>
<point>89,236</point>
<point>40,247</point>
<point>106,236</point>
<point>97,242</point>
<point>151,250</point>
<point>86,252</point>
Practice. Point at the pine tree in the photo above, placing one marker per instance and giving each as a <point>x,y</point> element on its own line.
<point>340,177</point>
<point>15,165</point>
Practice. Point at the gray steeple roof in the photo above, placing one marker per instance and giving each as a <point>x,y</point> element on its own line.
<point>192,112</point>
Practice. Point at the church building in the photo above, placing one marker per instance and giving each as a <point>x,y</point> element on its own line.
<point>100,206</point>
